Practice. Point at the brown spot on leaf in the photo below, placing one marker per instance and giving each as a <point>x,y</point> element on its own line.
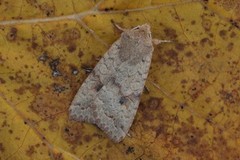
<point>207,24</point>
<point>189,54</point>
<point>20,90</point>
<point>34,45</point>
<point>54,127</point>
<point>49,108</point>
<point>80,53</point>
<point>30,151</point>
<point>208,56</point>
<point>50,37</point>
<point>71,34</point>
<point>191,139</point>
<point>2,81</point>
<point>73,133</point>
<point>108,145</point>
<point>2,60</point>
<point>12,34</point>
<point>172,54</point>
<point>4,124</point>
<point>87,138</point>
<point>223,34</point>
<point>233,34</point>
<point>193,22</point>
<point>18,138</point>
<point>11,78</point>
<point>170,33</point>
<point>230,46</point>
<point>154,103</point>
<point>205,41</point>
<point>230,98</point>
<point>72,47</point>
<point>197,88</point>
<point>26,66</point>
<point>108,9</point>
<point>228,5</point>
<point>176,141</point>
<point>33,88</point>
<point>171,59</point>
<point>10,131</point>
<point>184,81</point>
<point>234,22</point>
<point>1,148</point>
<point>33,3</point>
<point>161,129</point>
<point>58,156</point>
<point>153,110</point>
<point>208,99</point>
<point>129,150</point>
<point>47,9</point>
<point>162,59</point>
<point>148,116</point>
<point>180,46</point>
<point>190,119</point>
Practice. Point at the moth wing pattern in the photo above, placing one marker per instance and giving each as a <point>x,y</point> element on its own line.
<point>110,95</point>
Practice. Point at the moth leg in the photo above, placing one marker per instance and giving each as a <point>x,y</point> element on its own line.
<point>159,41</point>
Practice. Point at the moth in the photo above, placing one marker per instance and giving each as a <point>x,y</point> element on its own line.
<point>110,95</point>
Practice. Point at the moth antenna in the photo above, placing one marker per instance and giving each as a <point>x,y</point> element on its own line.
<point>118,27</point>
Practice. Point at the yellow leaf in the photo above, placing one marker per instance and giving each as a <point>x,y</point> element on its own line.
<point>189,110</point>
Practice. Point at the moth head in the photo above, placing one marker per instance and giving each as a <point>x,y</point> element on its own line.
<point>140,33</point>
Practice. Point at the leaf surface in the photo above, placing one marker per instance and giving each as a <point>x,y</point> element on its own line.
<point>189,110</point>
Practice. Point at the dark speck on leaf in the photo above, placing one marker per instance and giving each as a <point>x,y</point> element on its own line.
<point>11,36</point>
<point>53,64</point>
<point>130,150</point>
<point>74,71</point>
<point>58,88</point>
<point>66,130</point>
<point>44,57</point>
<point>56,73</point>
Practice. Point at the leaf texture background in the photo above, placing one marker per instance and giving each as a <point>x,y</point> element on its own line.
<point>189,110</point>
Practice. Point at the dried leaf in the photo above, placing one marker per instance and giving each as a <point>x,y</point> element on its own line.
<point>191,107</point>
